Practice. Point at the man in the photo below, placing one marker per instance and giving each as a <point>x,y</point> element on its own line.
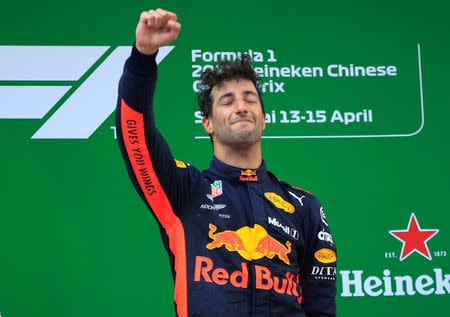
<point>240,242</point>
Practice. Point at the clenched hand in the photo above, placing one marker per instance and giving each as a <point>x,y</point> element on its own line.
<point>156,28</point>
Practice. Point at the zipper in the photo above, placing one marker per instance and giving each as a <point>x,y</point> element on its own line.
<point>252,265</point>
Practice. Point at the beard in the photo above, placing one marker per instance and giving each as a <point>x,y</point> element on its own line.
<point>240,137</point>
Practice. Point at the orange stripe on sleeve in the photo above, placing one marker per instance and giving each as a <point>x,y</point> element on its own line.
<point>301,189</point>
<point>135,143</point>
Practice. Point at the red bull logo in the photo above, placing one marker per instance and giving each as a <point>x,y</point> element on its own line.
<point>228,238</point>
<point>251,243</point>
<point>264,279</point>
<point>248,173</point>
<point>271,247</point>
<point>248,176</point>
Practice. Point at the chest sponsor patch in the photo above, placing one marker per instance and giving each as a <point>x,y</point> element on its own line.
<point>251,243</point>
<point>279,202</point>
<point>290,231</point>
<point>216,189</point>
<point>213,207</point>
<point>325,256</point>
<point>264,279</point>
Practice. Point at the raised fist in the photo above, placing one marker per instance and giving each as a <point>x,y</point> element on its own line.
<point>156,28</point>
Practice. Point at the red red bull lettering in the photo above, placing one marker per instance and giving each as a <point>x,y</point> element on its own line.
<point>219,276</point>
<point>264,279</point>
<point>248,178</point>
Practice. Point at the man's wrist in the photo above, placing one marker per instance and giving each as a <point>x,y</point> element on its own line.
<point>141,64</point>
<point>147,50</point>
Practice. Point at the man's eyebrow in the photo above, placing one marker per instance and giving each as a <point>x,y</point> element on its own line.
<point>249,92</point>
<point>228,94</point>
<point>231,94</point>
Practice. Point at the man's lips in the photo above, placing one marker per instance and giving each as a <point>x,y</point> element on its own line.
<point>242,121</point>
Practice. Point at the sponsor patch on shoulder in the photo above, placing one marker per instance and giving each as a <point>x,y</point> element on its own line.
<point>279,202</point>
<point>180,164</point>
<point>325,236</point>
<point>325,256</point>
<point>322,216</point>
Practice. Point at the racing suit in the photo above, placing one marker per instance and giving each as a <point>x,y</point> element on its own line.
<point>240,242</point>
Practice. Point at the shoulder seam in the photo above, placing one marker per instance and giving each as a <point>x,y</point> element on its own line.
<point>279,180</point>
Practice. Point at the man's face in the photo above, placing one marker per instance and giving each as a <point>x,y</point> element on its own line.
<point>237,118</point>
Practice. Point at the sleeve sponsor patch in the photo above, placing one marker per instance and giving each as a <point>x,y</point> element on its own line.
<point>325,256</point>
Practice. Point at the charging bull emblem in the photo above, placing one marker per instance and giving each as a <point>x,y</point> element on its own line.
<point>251,243</point>
<point>228,238</point>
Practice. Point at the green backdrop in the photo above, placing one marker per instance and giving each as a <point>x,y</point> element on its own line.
<point>77,241</point>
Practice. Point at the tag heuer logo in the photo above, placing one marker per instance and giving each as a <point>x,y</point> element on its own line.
<point>216,188</point>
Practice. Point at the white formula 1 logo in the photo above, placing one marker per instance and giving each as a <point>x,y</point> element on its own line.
<point>47,74</point>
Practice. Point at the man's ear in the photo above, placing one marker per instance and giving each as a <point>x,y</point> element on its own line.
<point>207,125</point>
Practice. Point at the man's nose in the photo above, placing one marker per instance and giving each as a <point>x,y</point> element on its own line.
<point>240,105</point>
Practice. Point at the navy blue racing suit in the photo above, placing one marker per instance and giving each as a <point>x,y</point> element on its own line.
<point>240,241</point>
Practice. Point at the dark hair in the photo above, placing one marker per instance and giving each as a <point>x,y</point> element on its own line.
<point>241,67</point>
